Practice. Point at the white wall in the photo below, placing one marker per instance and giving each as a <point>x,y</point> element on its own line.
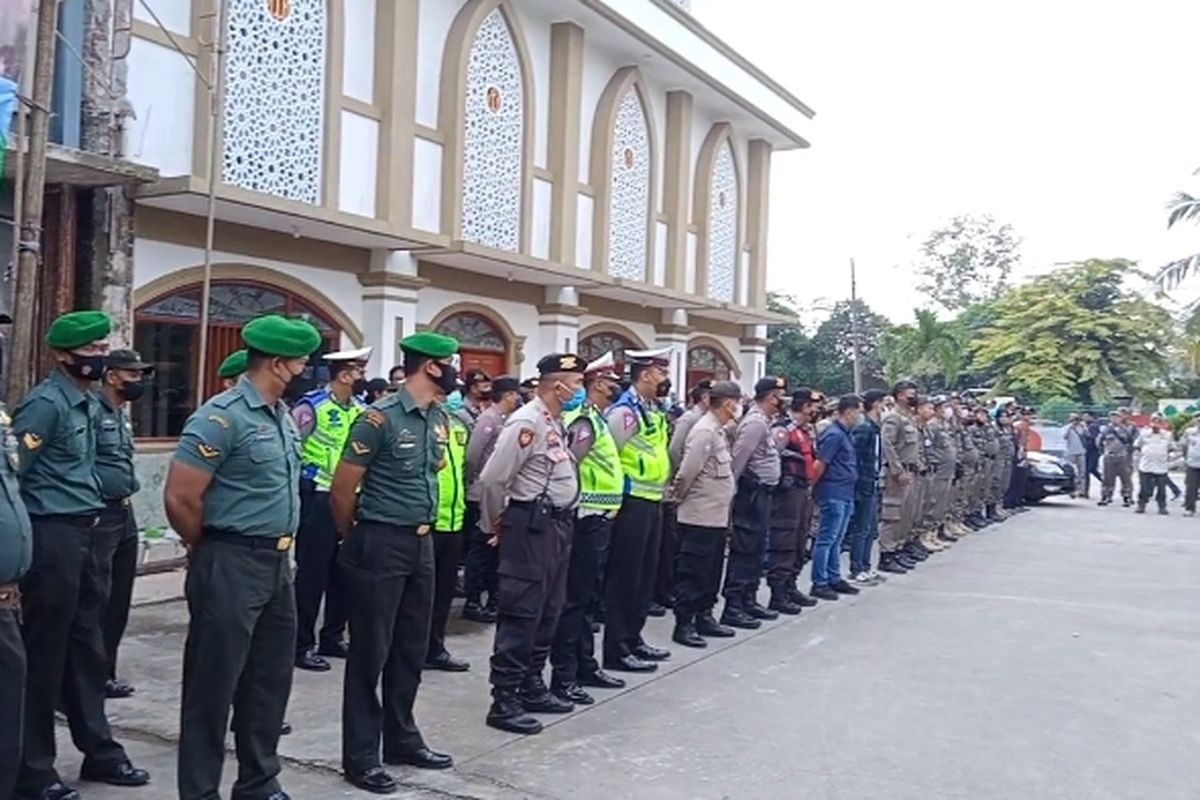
<point>358,47</point>
<point>427,185</point>
<point>522,318</point>
<point>162,90</point>
<point>537,39</point>
<point>433,25</point>
<point>359,159</point>
<point>642,329</point>
<point>175,15</point>
<point>598,68</point>
<point>539,246</point>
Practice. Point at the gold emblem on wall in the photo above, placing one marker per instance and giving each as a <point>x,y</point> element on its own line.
<point>494,99</point>
<point>629,157</point>
<point>279,9</point>
<point>721,199</point>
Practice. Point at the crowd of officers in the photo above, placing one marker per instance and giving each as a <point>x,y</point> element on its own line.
<point>572,499</point>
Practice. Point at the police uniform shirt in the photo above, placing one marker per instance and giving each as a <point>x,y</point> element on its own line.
<point>252,450</point>
<point>114,450</point>
<point>479,448</point>
<point>755,450</point>
<point>901,442</point>
<point>16,534</point>
<point>401,445</point>
<point>683,426</point>
<point>704,483</point>
<point>530,457</point>
<point>54,426</point>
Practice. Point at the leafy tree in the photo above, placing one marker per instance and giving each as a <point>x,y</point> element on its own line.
<point>1075,332</point>
<point>928,351</point>
<point>790,353</point>
<point>967,261</point>
<point>834,343</point>
<point>1183,207</point>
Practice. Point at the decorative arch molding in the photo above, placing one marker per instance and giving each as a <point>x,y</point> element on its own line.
<point>616,329</point>
<point>600,171</point>
<point>514,343</point>
<point>452,113</point>
<point>233,271</point>
<point>717,347</point>
<point>720,135</point>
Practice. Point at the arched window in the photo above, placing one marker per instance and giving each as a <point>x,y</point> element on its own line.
<point>494,137</point>
<point>593,346</point>
<point>629,194</point>
<point>167,334</point>
<point>723,225</point>
<point>705,363</point>
<point>481,344</point>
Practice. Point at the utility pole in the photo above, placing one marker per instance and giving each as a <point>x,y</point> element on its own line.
<point>215,125</point>
<point>855,332</point>
<point>29,261</point>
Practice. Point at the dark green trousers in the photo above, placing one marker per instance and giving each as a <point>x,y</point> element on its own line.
<point>12,698</point>
<point>241,642</point>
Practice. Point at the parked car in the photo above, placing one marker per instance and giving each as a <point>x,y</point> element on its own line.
<point>1048,475</point>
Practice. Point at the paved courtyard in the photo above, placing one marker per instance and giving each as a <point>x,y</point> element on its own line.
<point>1054,657</point>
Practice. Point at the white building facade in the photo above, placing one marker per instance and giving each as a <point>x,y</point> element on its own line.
<point>527,175</point>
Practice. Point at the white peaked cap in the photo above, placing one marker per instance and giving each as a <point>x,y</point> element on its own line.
<point>604,365</point>
<point>361,354</point>
<point>662,356</point>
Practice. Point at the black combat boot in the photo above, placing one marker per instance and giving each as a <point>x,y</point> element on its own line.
<point>507,713</point>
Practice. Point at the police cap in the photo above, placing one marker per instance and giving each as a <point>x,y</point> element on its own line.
<point>127,359</point>
<point>724,390</point>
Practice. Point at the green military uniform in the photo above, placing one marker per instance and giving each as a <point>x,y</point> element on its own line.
<point>968,464</point>
<point>242,630</point>
<point>388,566</point>
<point>64,592</point>
<point>448,540</point>
<point>16,554</point>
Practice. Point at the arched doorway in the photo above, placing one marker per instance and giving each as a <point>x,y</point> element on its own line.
<point>707,363</point>
<point>481,343</point>
<point>597,344</point>
<point>167,334</point>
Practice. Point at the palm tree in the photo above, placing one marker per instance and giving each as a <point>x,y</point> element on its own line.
<point>926,349</point>
<point>1182,208</point>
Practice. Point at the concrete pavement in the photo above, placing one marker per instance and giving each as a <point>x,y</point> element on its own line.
<point>1050,657</point>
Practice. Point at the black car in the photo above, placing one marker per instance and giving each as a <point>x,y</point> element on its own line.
<point>1048,475</point>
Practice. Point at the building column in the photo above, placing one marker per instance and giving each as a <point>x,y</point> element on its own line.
<point>677,187</point>
<point>390,288</point>
<point>752,356</point>
<point>558,322</point>
<point>758,191</point>
<point>673,332</point>
<point>566,81</point>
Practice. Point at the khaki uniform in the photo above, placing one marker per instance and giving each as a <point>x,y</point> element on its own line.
<point>1008,455</point>
<point>1116,446</point>
<point>941,456</point>
<point>900,445</point>
<point>968,459</point>
<point>991,480</point>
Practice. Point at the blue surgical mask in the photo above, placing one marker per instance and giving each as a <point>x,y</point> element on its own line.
<point>576,400</point>
<point>454,400</point>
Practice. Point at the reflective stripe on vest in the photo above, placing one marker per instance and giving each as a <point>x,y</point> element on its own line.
<point>601,479</point>
<point>452,490</point>
<point>331,428</point>
<point>645,458</point>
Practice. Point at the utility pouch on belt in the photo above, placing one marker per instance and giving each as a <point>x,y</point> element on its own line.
<point>539,514</point>
<point>749,482</point>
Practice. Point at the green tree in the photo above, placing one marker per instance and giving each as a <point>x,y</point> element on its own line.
<point>790,352</point>
<point>968,261</point>
<point>1183,207</point>
<point>834,344</point>
<point>928,351</point>
<point>1076,332</point>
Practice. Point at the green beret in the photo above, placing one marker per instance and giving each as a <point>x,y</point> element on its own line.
<point>281,336</point>
<point>427,343</point>
<point>233,365</point>
<point>77,329</point>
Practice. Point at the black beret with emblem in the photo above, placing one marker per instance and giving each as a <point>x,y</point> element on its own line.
<point>769,384</point>
<point>505,384</point>
<point>561,362</point>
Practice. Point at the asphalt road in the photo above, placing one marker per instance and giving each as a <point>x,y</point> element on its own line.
<point>1053,657</point>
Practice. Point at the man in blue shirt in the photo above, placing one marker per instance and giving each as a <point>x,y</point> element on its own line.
<point>864,524</point>
<point>836,473</point>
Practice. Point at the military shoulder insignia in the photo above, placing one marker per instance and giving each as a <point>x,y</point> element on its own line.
<point>375,418</point>
<point>217,418</point>
<point>525,437</point>
<point>206,451</point>
<point>32,441</point>
<point>359,448</point>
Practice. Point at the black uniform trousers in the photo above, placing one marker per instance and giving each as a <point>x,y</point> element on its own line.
<point>63,595</point>
<point>699,562</point>
<point>787,513</point>
<point>804,534</point>
<point>574,647</point>
<point>631,572</point>
<point>447,550</point>
<point>1152,484</point>
<point>389,575</point>
<point>12,695</point>
<point>747,546</point>
<point>240,640</point>
<point>117,522</point>
<point>664,585</point>
<point>479,571</point>
<point>533,586</point>
<point>317,572</point>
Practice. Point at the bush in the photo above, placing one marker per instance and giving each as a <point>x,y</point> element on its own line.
<point>1057,409</point>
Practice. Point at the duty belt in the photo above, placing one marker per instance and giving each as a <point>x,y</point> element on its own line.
<point>280,544</point>
<point>555,512</point>
<point>123,502</point>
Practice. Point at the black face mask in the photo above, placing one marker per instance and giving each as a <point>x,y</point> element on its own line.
<point>448,381</point>
<point>663,389</point>
<point>132,390</point>
<point>614,394</point>
<point>360,386</point>
<point>86,367</point>
<point>912,401</point>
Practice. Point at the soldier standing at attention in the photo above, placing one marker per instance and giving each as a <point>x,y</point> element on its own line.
<point>232,494</point>
<point>63,593</point>
<point>704,487</point>
<point>121,384</point>
<point>899,441</point>
<point>232,368</point>
<point>530,488</point>
<point>1116,443</point>
<point>448,536</point>
<point>601,483</point>
<point>639,428</point>
<point>385,501</point>
<point>323,417</point>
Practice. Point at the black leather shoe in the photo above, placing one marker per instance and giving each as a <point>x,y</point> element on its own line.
<point>601,680</point>
<point>783,604</point>
<point>117,689</point>
<point>573,693</point>
<point>907,561</point>
<point>915,552</point>
<point>279,795</point>
<point>630,663</point>
<point>338,649</point>
<point>545,702</point>
<point>507,714</point>
<point>311,662</point>
<point>122,773</point>
<point>648,652</point>
<point>801,599</point>
<point>707,626</point>
<point>842,587</point>
<point>686,635</point>
<point>737,618</point>
<point>656,610</point>
<point>285,729</point>
<point>824,593</point>
<point>477,613</point>
<point>595,628</point>
<point>421,758</point>
<point>446,663</point>
<point>55,791</point>
<point>889,563</point>
<point>758,612</point>
<point>376,780</point>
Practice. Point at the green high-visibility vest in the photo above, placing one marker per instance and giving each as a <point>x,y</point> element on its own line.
<point>452,488</point>
<point>645,458</point>
<point>323,447</point>
<point>601,479</point>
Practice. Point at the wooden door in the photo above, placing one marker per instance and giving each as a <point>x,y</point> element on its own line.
<point>222,340</point>
<point>490,361</point>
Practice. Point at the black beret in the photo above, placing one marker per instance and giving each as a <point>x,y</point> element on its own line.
<point>769,384</point>
<point>561,362</point>
<point>505,384</point>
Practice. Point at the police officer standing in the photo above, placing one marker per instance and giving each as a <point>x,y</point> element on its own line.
<point>787,508</point>
<point>601,483</point>
<point>683,426</point>
<point>933,457</point>
<point>899,441</point>
<point>448,535</point>
<point>533,471</point>
<point>387,560</point>
<point>1116,444</point>
<point>323,417</point>
<point>232,494</point>
<point>703,487</point>
<point>122,383</point>
<point>232,368</point>
<point>63,593</point>
<point>477,396</point>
